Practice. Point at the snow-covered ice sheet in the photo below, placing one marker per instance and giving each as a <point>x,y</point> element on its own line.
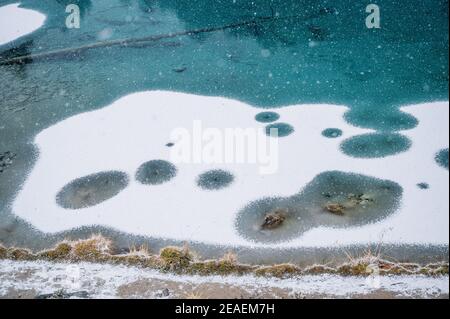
<point>16,22</point>
<point>136,129</point>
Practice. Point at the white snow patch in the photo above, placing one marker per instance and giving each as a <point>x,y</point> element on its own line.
<point>136,128</point>
<point>16,22</point>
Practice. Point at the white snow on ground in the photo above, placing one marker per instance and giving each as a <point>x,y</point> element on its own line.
<point>102,281</point>
<point>16,22</point>
<point>136,128</point>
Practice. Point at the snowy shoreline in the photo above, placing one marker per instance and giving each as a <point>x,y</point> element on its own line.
<point>30,279</point>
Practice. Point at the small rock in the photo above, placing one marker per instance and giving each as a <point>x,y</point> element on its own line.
<point>360,199</point>
<point>274,219</point>
<point>180,70</point>
<point>166,292</point>
<point>6,159</point>
<point>64,295</point>
<point>336,208</point>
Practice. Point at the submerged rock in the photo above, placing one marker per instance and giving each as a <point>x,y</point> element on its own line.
<point>274,219</point>
<point>361,199</point>
<point>352,201</point>
<point>61,294</point>
<point>6,160</point>
<point>179,70</point>
<point>337,209</point>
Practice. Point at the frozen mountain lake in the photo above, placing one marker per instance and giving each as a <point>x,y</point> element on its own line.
<point>284,131</point>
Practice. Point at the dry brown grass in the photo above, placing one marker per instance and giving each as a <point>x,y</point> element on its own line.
<point>181,260</point>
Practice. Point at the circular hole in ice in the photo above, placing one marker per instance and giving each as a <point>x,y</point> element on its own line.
<point>279,129</point>
<point>92,190</point>
<point>332,133</point>
<point>375,145</point>
<point>423,185</point>
<point>267,117</point>
<point>370,116</point>
<point>442,158</point>
<point>156,172</point>
<point>215,180</point>
<point>359,199</point>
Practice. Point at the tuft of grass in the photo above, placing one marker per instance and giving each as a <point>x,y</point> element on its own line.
<point>175,258</point>
<point>354,269</point>
<point>61,251</point>
<point>279,271</point>
<point>227,265</point>
<point>93,248</point>
<point>319,270</point>
<point>142,251</point>
<point>3,252</point>
<point>19,254</point>
<point>361,265</point>
<point>439,269</point>
<point>230,258</point>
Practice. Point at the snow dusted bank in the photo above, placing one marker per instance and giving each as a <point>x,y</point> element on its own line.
<point>86,280</point>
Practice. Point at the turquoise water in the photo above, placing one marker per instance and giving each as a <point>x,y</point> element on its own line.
<point>375,145</point>
<point>156,172</point>
<point>332,133</point>
<point>91,190</point>
<point>442,158</point>
<point>290,52</point>
<point>314,52</point>
<point>215,180</point>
